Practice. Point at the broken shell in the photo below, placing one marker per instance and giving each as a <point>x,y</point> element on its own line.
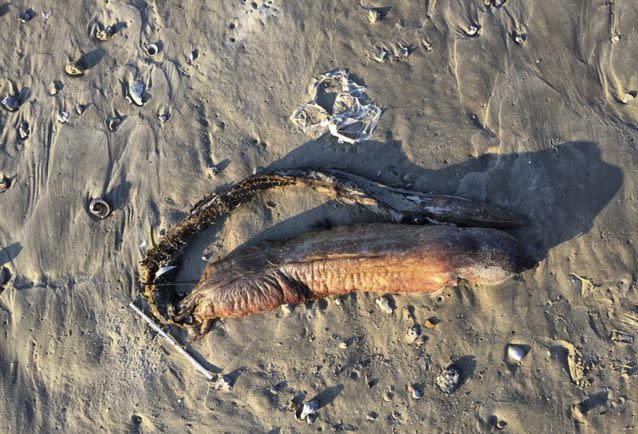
<point>516,353</point>
<point>99,208</point>
<point>309,408</point>
<point>375,15</point>
<point>113,123</point>
<point>448,381</point>
<point>5,184</point>
<point>384,304</point>
<point>286,309</point>
<point>63,117</point>
<point>136,93</point>
<point>79,108</point>
<point>151,49</point>
<point>472,30</point>
<point>224,383</point>
<point>416,391</point>
<point>501,424</point>
<point>46,15</point>
<point>413,334</point>
<point>163,116</point>
<point>10,103</point>
<point>26,16</point>
<point>24,130</point>
<point>74,69</point>
<point>389,394</point>
<point>54,87</point>
<point>519,37</point>
<point>431,322</point>
<point>629,96</point>
<point>103,34</point>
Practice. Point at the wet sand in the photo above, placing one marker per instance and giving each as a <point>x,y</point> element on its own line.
<point>528,105</point>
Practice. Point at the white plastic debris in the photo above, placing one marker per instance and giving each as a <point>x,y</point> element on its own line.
<point>338,106</point>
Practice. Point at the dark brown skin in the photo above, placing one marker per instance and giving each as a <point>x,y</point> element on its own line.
<point>383,258</point>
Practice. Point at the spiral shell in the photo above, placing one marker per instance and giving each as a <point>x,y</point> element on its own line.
<point>99,208</point>
<point>151,49</point>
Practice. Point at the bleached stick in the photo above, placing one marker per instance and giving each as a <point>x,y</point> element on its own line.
<point>170,339</point>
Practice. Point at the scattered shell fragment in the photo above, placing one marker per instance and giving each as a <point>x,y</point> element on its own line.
<point>379,53</point>
<point>372,415</point>
<point>223,383</point>
<point>516,353</point>
<point>519,37</point>
<point>615,39</point>
<point>10,103</point>
<point>622,337</point>
<point>375,15</point>
<point>448,381</point>
<point>416,391</point>
<point>24,130</point>
<point>501,424</point>
<point>431,322</point>
<point>309,408</point>
<point>46,15</point>
<point>103,34</point>
<point>74,69</point>
<point>413,334</point>
<point>578,368</point>
<point>5,184</point>
<point>79,108</point>
<point>384,304</point>
<point>26,16</point>
<point>63,117</point>
<point>472,30</point>
<point>99,208</point>
<point>54,87</point>
<point>113,123</point>
<point>389,394</point>
<point>151,49</point>
<point>164,115</point>
<point>286,309</point>
<point>629,97</point>
<point>136,93</point>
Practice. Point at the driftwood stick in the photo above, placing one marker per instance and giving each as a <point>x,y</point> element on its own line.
<point>173,342</point>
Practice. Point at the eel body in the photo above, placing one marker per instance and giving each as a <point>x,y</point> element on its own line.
<point>383,258</point>
<point>392,204</point>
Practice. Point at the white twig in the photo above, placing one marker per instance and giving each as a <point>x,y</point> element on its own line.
<point>170,339</point>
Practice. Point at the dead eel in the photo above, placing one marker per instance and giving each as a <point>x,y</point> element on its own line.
<point>380,257</point>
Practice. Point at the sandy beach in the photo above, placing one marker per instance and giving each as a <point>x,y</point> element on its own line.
<point>525,104</point>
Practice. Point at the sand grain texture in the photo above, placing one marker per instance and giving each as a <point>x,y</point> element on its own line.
<point>539,128</point>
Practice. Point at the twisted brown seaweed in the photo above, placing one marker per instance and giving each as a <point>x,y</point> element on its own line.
<point>398,205</point>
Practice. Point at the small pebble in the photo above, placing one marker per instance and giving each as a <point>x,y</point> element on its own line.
<point>629,97</point>
<point>431,322</point>
<point>448,381</point>
<point>472,30</point>
<point>343,345</point>
<point>372,415</point>
<point>384,304</point>
<point>54,87</point>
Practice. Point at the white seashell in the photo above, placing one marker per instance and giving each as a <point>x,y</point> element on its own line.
<point>516,353</point>
<point>136,93</point>
<point>151,49</point>
<point>519,37</point>
<point>46,15</point>
<point>79,108</point>
<point>309,408</point>
<point>384,304</point>
<point>10,103</point>
<point>63,117</point>
<point>416,391</point>
<point>74,69</point>
<point>286,309</point>
<point>99,208</point>
<point>54,87</point>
